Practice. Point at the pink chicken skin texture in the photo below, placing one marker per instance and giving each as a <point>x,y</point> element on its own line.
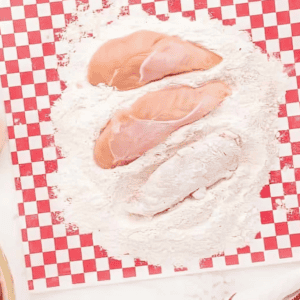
<point>144,56</point>
<point>152,118</point>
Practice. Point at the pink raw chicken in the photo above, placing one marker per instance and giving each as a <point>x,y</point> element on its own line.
<point>135,60</point>
<point>152,118</point>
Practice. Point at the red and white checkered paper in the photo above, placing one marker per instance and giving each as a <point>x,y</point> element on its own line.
<point>60,257</point>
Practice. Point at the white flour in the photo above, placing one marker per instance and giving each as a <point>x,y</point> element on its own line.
<point>94,198</point>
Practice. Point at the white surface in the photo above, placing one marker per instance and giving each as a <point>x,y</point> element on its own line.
<point>217,285</point>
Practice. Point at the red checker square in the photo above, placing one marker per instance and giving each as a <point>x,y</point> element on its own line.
<point>289,188</point>
<point>293,214</point>
<point>294,4</point>
<point>295,29</point>
<point>34,37</point>
<point>297,175</point>
<point>51,193</point>
<point>244,250</point>
<point>33,129</point>
<point>292,96</point>
<point>5,14</point>
<point>129,272</point>
<point>132,2</point>
<point>38,272</point>
<point>257,257</point>
<point>56,8</point>
<point>22,144</point>
<point>149,8</point>
<point>266,217</point>
<point>24,235</point>
<point>3,77</point>
<point>63,85</point>
<point>42,1</point>
<point>19,118</point>
<point>39,180</point>
<point>154,270</point>
<point>200,4</point>
<point>36,155</point>
<point>15,92</point>
<point>52,75</point>
<point>265,192</point>
<point>25,170</point>
<point>286,161</point>
<point>43,206</point>
<point>215,13</point>
<point>14,158</point>
<point>38,63</point>
<point>270,243</point>
<point>32,221</point>
<point>56,218</point>
<point>298,77</point>
<point>30,11</point>
<point>35,246</point>
<point>226,2</point>
<point>72,230</point>
<point>229,22</point>
<point>59,153</point>
<point>30,104</point>
<point>27,261</point>
<point>64,269</point>
<point>51,166</point>
<point>8,40</point>
<point>181,269</point>
<point>286,44</point>
<point>290,69</point>
<point>275,177</point>
<point>26,78</point>
<point>23,52</point>
<point>232,260</point>
<point>7,106</point>
<point>19,26</point>
<point>46,232</point>
<point>258,235</point>
<point>61,243</point>
<point>21,209</point>
<point>89,265</point>
<point>296,148</point>
<point>103,275</point>
<point>86,240</point>
<point>18,184</point>
<point>75,254</point>
<point>41,89</point>
<point>285,253</point>
<point>45,23</point>
<point>297,59</point>
<point>29,195</point>
<point>271,32</point>
<point>281,228</point>
<point>206,263</point>
<point>257,21</point>
<point>242,9</point>
<point>78,278</point>
<point>49,258</point>
<point>268,6</point>
<point>114,263</point>
<point>283,17</point>
<point>53,98</point>
<point>282,111</point>
<point>174,6</point>
<point>30,285</point>
<point>189,14</point>
<point>139,263</point>
<point>99,252</point>
<point>16,2</point>
<point>44,115</point>
<point>295,240</point>
<point>52,282</point>
<point>262,45</point>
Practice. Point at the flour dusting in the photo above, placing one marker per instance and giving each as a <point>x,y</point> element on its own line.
<point>96,199</point>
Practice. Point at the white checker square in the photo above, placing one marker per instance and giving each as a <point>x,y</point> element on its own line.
<point>49,153</point>
<point>37,259</point>
<point>73,241</point>
<point>88,253</point>
<point>23,223</point>
<point>24,157</point>
<point>21,131</point>
<point>293,109</point>
<point>257,245</point>
<point>43,9</point>
<point>283,123</point>
<point>66,281</point>
<point>268,230</point>
<point>9,120</point>
<point>202,14</point>
<point>297,66</point>
<point>296,160</point>
<point>30,207</point>
<point>255,8</point>
<point>19,196</point>
<point>42,102</point>
<point>135,10</point>
<point>38,168</point>
<point>295,135</point>
<point>91,277</point>
<point>27,183</point>
<point>76,267</point>
<point>47,36</point>
<point>213,3</point>
<point>17,12</point>
<point>10,53</point>
<point>230,251</point>
<point>69,6</point>
<point>142,272</point>
<point>39,76</point>
<point>28,2</point>
<point>147,1</point>
<point>276,189</point>
<point>291,201</point>
<point>5,3</point>
<point>288,175</point>
<point>17,105</point>
<point>245,260</point>
<point>54,88</point>
<point>50,62</point>
<point>45,219</point>
<point>298,187</point>
<point>16,170</point>
<point>161,7</point>
<point>25,65</point>
<point>32,24</point>
<point>295,16</point>
<point>102,264</point>
<point>258,34</point>
<point>7,27</point>
<point>116,274</point>
<point>31,116</point>
<point>35,142</point>
<point>228,12</point>
<point>51,270</point>
<point>48,245</point>
<point>28,90</point>
<point>33,234</point>
<point>285,149</point>
<point>58,21</point>
<point>270,19</point>
<point>62,256</point>
<point>41,193</point>
<point>287,57</point>
<point>46,128</point>
<point>279,215</point>
<point>21,38</point>
<point>36,50</point>
<point>187,5</point>
<point>282,5</point>
<point>59,230</point>
<point>276,165</point>
<point>294,227</point>
<point>12,145</point>
<point>40,285</point>
<point>61,47</point>
<point>127,261</point>
<point>243,23</point>
<point>283,241</point>
<point>284,31</point>
<point>13,79</point>
<point>96,4</point>
<point>5,91</point>
<point>219,262</point>
<point>271,255</point>
<point>296,251</point>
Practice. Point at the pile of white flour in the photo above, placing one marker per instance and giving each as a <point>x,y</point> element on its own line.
<point>94,198</point>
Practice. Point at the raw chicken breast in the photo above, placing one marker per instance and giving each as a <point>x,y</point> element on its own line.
<point>134,60</point>
<point>152,118</point>
<point>193,168</point>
